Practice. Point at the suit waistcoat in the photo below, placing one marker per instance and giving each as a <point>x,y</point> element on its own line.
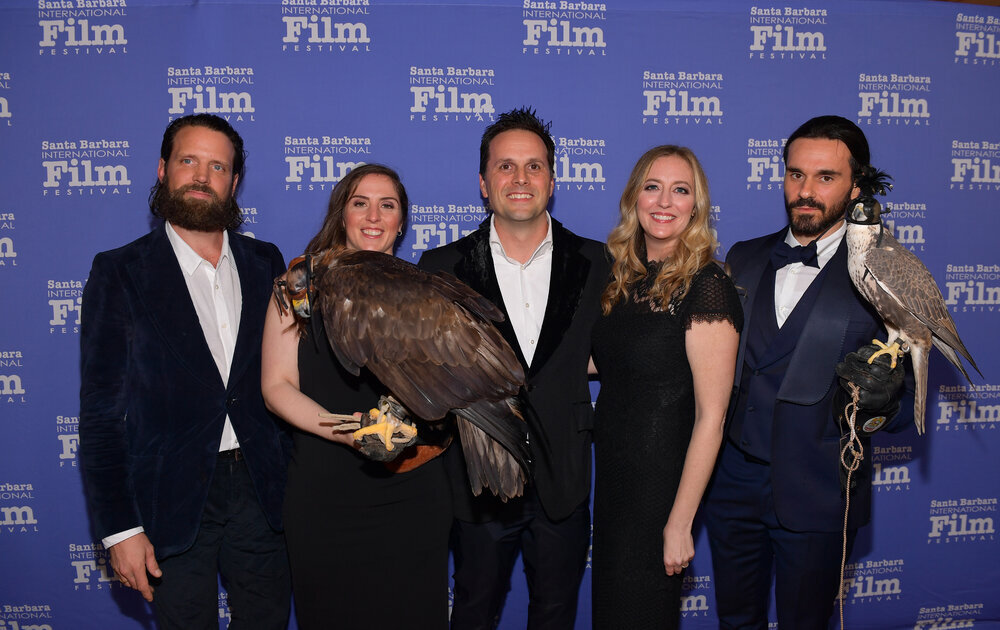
<point>768,354</point>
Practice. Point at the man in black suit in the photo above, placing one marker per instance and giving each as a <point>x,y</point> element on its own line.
<point>548,282</point>
<point>777,495</point>
<point>183,467</point>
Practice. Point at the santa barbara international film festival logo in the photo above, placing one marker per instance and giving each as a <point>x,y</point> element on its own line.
<point>318,162</point>
<point>65,299</point>
<point>90,567</point>
<point>11,386</point>
<point>579,164</point>
<point>5,112</point>
<point>250,219</point>
<point>872,581</point>
<point>221,90</point>
<point>787,33</point>
<point>695,595</point>
<point>905,220</point>
<point>325,26</point>
<point>966,407</point>
<point>443,94</point>
<point>972,288</point>
<point>765,164</point>
<point>893,99</point>
<point>681,97</point>
<point>891,468</point>
<point>964,519</point>
<point>17,516</point>
<point>82,27</point>
<point>975,164</point>
<point>561,27</point>
<point>438,224</point>
<point>977,40</point>
<point>68,436</point>
<point>8,254</point>
<point>25,616</point>
<point>949,616</point>
<point>85,166</point>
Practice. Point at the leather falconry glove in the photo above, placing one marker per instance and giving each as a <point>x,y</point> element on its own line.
<point>880,389</point>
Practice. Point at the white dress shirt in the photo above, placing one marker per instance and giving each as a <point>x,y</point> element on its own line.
<point>524,287</point>
<point>218,301</point>
<point>791,281</point>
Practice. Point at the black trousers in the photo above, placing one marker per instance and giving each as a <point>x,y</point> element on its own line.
<point>747,540</point>
<point>554,554</point>
<point>233,540</point>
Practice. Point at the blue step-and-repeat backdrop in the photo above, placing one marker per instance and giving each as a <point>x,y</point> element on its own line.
<point>319,86</point>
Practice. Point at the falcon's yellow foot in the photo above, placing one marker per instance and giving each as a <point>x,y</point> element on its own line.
<point>893,350</point>
<point>386,430</point>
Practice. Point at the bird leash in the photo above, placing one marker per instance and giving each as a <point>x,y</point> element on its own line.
<point>851,454</point>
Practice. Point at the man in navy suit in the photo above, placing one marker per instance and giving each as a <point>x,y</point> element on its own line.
<point>777,496</point>
<point>183,467</point>
<point>548,282</point>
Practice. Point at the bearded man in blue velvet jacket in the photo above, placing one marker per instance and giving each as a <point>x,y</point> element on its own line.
<point>183,467</point>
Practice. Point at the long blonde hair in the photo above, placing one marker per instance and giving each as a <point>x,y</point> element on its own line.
<point>627,243</point>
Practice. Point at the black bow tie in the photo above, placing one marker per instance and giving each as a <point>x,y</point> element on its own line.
<point>784,254</point>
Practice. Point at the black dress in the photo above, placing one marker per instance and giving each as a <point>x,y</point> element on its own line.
<point>368,549</point>
<point>643,423</point>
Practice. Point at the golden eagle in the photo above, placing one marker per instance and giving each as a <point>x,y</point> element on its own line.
<point>428,338</point>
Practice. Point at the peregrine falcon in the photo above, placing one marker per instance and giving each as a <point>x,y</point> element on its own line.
<point>901,290</point>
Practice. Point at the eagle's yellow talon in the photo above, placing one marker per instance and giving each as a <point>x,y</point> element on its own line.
<point>385,429</point>
<point>893,350</point>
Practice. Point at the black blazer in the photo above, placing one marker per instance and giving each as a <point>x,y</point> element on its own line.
<point>805,446</point>
<point>152,402</point>
<point>558,387</point>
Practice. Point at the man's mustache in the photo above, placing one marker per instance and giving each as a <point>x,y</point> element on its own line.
<point>810,203</point>
<point>202,188</point>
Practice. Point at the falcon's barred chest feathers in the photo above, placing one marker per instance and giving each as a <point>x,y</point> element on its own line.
<point>430,340</point>
<point>900,288</point>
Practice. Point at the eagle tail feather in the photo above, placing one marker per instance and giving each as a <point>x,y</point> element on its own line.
<point>496,450</point>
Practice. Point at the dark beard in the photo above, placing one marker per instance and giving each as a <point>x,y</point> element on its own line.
<point>213,215</point>
<point>813,227</point>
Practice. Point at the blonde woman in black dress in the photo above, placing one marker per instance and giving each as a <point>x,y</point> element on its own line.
<point>665,350</point>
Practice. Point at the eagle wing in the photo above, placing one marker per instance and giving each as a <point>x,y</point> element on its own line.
<point>430,340</point>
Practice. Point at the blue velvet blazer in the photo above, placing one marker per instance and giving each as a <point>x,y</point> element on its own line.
<point>152,402</point>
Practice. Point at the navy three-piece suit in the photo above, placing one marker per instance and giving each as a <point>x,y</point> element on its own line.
<point>777,490</point>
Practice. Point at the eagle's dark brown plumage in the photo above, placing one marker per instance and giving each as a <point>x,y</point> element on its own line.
<point>430,340</point>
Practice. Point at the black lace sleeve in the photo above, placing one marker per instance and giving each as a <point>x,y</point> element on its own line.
<point>712,298</point>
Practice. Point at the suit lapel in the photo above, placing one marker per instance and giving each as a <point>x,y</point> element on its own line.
<point>567,281</point>
<point>822,337</point>
<point>160,286</point>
